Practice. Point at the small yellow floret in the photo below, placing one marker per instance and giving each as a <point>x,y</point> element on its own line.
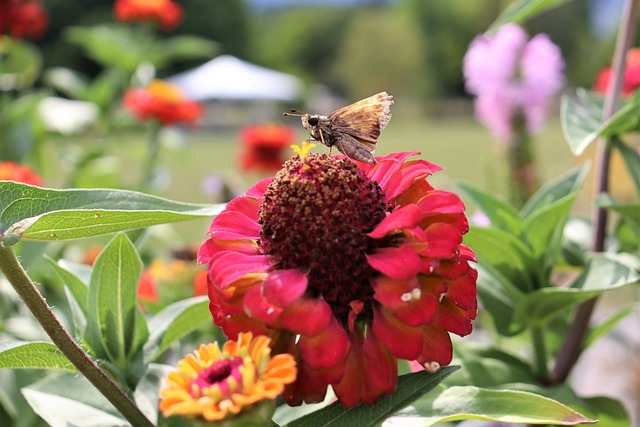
<point>303,150</point>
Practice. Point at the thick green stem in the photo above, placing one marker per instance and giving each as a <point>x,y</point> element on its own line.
<point>522,166</point>
<point>35,302</point>
<point>572,345</point>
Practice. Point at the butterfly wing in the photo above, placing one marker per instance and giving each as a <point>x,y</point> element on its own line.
<point>364,120</point>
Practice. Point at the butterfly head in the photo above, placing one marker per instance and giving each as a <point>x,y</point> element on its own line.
<point>309,121</point>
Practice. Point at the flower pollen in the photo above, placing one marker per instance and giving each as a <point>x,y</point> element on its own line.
<point>315,217</point>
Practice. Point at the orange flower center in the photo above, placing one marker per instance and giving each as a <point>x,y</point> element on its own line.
<point>165,91</point>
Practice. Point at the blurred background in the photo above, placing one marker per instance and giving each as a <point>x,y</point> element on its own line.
<point>331,53</point>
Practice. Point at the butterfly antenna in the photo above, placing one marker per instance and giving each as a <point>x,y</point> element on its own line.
<point>294,113</point>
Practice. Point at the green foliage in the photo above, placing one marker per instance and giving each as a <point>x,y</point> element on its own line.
<point>520,11</point>
<point>33,355</point>
<point>507,406</point>
<point>410,387</point>
<point>47,214</point>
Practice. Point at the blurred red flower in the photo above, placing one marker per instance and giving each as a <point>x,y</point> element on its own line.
<point>22,18</point>
<point>14,172</point>
<point>348,267</point>
<point>166,13</point>
<point>200,286</point>
<point>264,147</point>
<point>148,288</point>
<point>631,80</point>
<point>162,101</point>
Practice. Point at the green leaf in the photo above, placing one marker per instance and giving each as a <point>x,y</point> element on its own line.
<point>67,81</point>
<point>46,214</point>
<point>520,11</point>
<point>410,387</point>
<point>34,355</point>
<point>602,273</point>
<point>609,412</point>
<point>174,322</point>
<point>554,190</point>
<point>486,366</point>
<point>70,400</point>
<point>631,158</point>
<point>501,214</point>
<point>498,297</point>
<point>607,325</point>
<point>581,120</point>
<point>630,212</point>
<point>117,329</point>
<point>544,234</point>
<point>506,406</point>
<point>146,394</point>
<point>491,245</point>
<point>21,63</point>
<point>75,278</point>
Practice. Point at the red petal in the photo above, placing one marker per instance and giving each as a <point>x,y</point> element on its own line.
<point>327,349</point>
<point>231,266</point>
<point>396,262</point>
<point>283,287</point>
<point>392,293</point>
<point>443,241</point>
<point>403,341</point>
<point>411,173</point>
<point>405,217</point>
<point>307,316</point>
<point>259,307</point>
<point>259,188</point>
<point>453,318</point>
<point>211,248</point>
<point>440,202</point>
<point>233,225</point>
<point>371,371</point>
<point>462,290</point>
<point>419,312</point>
<point>437,346</point>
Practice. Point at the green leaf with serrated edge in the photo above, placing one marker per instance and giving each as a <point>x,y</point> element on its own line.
<point>554,190</point>
<point>501,214</point>
<point>33,355</point>
<point>544,232</point>
<point>46,214</point>
<point>410,387</point>
<point>491,245</point>
<point>174,322</point>
<point>602,273</point>
<point>604,327</point>
<point>506,406</point>
<point>70,400</point>
<point>117,328</point>
<point>631,158</point>
<point>520,11</point>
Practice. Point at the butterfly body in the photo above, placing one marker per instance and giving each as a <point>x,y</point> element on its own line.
<point>354,129</point>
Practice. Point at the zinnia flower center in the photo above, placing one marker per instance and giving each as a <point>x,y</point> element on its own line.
<point>315,216</point>
<point>219,374</point>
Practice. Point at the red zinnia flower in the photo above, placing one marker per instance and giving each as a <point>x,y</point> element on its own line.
<point>166,13</point>
<point>14,172</point>
<point>631,79</point>
<point>347,266</point>
<point>162,101</point>
<point>22,18</point>
<point>263,146</point>
<point>148,288</point>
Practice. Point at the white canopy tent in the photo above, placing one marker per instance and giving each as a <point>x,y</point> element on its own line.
<point>227,78</point>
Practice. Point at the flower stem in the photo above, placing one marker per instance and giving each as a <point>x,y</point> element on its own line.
<point>572,345</point>
<point>153,149</point>
<point>35,302</point>
<point>522,167</point>
<point>540,353</point>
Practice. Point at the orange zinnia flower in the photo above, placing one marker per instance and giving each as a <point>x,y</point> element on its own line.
<point>631,79</point>
<point>213,384</point>
<point>162,101</point>
<point>264,146</point>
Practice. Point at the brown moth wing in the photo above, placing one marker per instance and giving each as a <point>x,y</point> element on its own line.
<point>365,119</point>
<point>351,147</point>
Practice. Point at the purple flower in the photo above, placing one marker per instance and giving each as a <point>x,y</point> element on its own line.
<point>513,77</point>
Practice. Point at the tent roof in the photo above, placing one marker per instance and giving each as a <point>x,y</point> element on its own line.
<point>229,78</point>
